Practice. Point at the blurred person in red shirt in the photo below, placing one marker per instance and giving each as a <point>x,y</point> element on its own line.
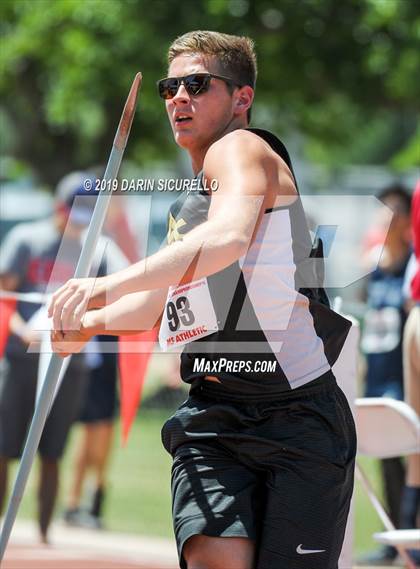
<point>36,257</point>
<point>29,263</point>
<point>98,411</point>
<point>411,346</point>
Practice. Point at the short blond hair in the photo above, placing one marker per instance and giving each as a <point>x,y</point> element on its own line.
<point>235,55</point>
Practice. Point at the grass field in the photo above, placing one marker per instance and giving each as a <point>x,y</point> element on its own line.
<point>139,490</point>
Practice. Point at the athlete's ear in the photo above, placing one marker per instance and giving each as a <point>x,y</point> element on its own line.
<point>243,99</point>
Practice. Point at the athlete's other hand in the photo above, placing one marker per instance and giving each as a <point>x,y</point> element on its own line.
<point>71,342</point>
<point>70,302</point>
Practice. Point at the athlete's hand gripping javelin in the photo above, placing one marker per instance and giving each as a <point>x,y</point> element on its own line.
<point>69,308</point>
<point>71,301</point>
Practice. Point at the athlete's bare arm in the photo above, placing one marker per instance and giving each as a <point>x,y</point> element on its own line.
<point>250,177</point>
<point>130,314</point>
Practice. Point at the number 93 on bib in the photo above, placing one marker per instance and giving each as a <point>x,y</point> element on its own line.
<point>188,315</point>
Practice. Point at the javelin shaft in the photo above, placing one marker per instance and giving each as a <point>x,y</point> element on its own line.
<point>111,172</point>
<point>82,270</point>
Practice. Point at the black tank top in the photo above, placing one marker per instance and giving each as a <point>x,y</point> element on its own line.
<point>276,329</point>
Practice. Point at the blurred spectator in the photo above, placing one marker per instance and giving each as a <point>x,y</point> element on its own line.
<point>411,345</point>
<point>94,449</point>
<point>98,411</point>
<point>27,258</point>
<point>382,338</point>
<point>33,256</point>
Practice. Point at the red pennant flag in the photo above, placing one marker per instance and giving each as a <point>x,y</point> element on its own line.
<point>133,367</point>
<point>7,308</point>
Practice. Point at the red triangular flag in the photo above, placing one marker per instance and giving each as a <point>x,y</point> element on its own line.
<point>133,366</point>
<point>7,308</point>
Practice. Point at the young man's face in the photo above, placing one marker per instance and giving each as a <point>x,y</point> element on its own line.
<point>209,114</point>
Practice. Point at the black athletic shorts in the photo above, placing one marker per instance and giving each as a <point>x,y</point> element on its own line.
<point>278,472</point>
<point>101,397</point>
<point>18,379</point>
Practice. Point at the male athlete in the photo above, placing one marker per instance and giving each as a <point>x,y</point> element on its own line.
<point>264,447</point>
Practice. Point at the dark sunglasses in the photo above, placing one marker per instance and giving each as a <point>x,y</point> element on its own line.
<point>195,84</point>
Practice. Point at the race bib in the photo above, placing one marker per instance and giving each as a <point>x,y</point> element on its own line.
<point>189,315</point>
<point>382,330</point>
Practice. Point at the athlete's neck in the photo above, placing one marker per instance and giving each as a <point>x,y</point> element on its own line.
<point>198,155</point>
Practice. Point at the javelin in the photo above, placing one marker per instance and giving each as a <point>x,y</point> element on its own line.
<point>82,270</point>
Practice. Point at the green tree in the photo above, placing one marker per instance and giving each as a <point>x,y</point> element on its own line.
<point>345,74</point>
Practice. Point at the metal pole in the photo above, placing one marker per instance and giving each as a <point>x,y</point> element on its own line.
<point>82,270</point>
<point>380,510</point>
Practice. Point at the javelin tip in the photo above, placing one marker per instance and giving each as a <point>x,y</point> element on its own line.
<point>127,116</point>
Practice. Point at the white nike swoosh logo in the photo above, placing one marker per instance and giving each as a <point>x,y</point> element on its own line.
<point>302,551</point>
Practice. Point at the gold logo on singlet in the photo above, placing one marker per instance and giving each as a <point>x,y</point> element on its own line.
<point>173,230</point>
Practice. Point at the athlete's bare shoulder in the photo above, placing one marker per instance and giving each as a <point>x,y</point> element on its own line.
<point>243,160</point>
<point>240,144</point>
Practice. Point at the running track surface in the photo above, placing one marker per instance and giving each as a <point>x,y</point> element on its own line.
<point>84,549</point>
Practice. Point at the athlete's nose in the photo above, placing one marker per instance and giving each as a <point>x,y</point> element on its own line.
<point>182,95</point>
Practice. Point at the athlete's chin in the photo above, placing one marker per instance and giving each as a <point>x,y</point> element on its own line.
<point>184,139</point>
